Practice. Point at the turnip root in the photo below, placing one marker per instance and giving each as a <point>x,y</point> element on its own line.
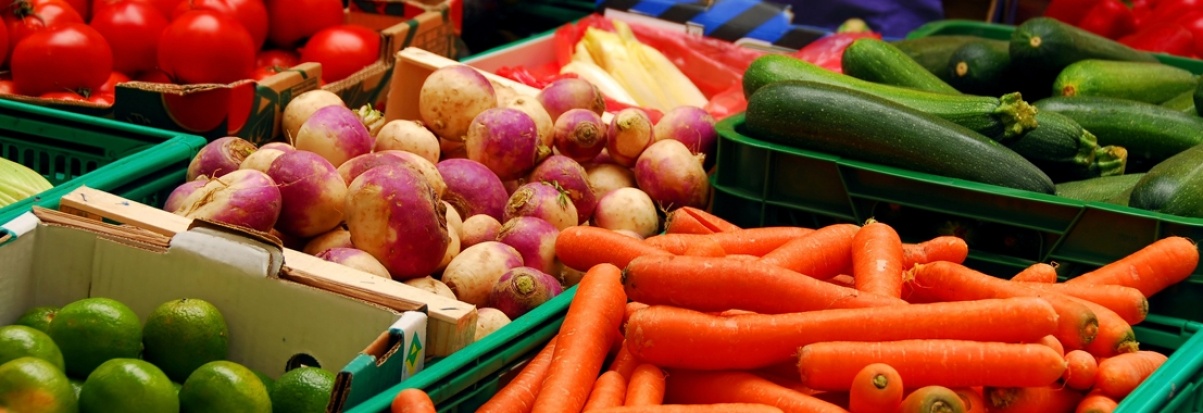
<point>579,134</point>
<point>356,166</point>
<point>428,283</point>
<point>451,97</point>
<point>479,228</point>
<point>472,273</point>
<point>541,200</point>
<point>572,178</point>
<point>472,188</point>
<point>409,136</point>
<point>534,238</point>
<point>393,214</point>
<point>628,209</point>
<point>692,126</point>
<point>313,193</point>
<point>606,177</point>
<point>454,222</point>
<point>672,176</point>
<point>544,123</point>
<point>302,106</point>
<point>488,321</point>
<point>245,197</point>
<point>505,140</point>
<point>338,237</point>
<point>522,289</point>
<point>180,193</point>
<point>629,134</point>
<point>261,159</point>
<point>371,118</point>
<point>356,259</point>
<point>571,93</point>
<point>220,157</point>
<point>335,133</point>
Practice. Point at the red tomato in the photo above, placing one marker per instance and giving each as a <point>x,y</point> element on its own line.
<point>204,46</point>
<point>276,57</point>
<point>62,96</point>
<point>71,57</point>
<point>7,87</point>
<point>154,76</point>
<point>83,7</point>
<point>251,13</point>
<point>291,21</point>
<point>3,44</point>
<point>29,16</point>
<point>106,99</point>
<point>132,30</point>
<point>165,7</point>
<point>110,86</point>
<point>266,72</point>
<point>342,50</point>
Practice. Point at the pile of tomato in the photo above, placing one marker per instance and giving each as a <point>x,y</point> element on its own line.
<point>81,49</point>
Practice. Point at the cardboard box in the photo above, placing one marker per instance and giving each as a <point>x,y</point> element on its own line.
<point>54,258</point>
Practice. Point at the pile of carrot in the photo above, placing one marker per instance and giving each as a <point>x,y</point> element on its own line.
<point>712,317</point>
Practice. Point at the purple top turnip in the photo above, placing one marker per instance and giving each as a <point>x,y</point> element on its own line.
<point>280,146</point>
<point>544,123</point>
<point>180,193</point>
<point>220,157</point>
<point>534,238</point>
<point>358,165</point>
<point>692,126</point>
<point>506,141</point>
<point>628,209</point>
<point>579,134</point>
<point>473,272</point>
<point>672,176</point>
<point>522,289</point>
<point>356,259</point>
<point>479,228</point>
<point>245,197</point>
<point>261,159</point>
<point>572,178</point>
<point>472,188</point>
<point>394,215</point>
<point>630,133</point>
<point>335,133</point>
<point>410,136</point>
<point>542,200</point>
<point>451,97</point>
<point>606,177</point>
<point>571,93</point>
<point>313,193</point>
<point>338,237</point>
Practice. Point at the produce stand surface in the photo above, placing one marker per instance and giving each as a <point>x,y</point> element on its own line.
<point>71,150</point>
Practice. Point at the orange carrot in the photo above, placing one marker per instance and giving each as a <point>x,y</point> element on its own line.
<point>705,219</point>
<point>842,280</point>
<point>1096,402</point>
<point>1081,370</point>
<point>412,400</point>
<point>582,247</point>
<point>1115,335</point>
<point>679,244</point>
<point>673,337</point>
<point>631,308</point>
<point>972,398</point>
<point>877,260</point>
<point>929,399</point>
<point>695,408</point>
<point>624,363</point>
<point>702,387</point>
<point>1037,273</point>
<point>1119,375</point>
<point>646,387</point>
<point>822,254</point>
<point>1041,399</point>
<point>1161,264</point>
<point>1053,343</point>
<point>1077,325</point>
<point>876,388</point>
<point>751,241</point>
<point>705,247</point>
<point>519,395</point>
<point>609,390</point>
<point>743,257</point>
<point>1128,302</point>
<point>681,222</point>
<point>584,340</point>
<point>942,248</point>
<point>717,284</point>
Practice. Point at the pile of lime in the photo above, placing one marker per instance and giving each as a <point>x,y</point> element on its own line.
<point>95,355</point>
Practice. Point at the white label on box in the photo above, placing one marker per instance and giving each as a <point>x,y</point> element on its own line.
<point>412,328</point>
<point>20,225</point>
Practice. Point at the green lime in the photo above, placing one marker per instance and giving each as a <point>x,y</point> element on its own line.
<point>224,387</point>
<point>128,385</point>
<point>20,341</point>
<point>38,317</point>
<point>176,386</point>
<point>34,385</point>
<point>303,390</point>
<point>181,335</point>
<point>92,331</point>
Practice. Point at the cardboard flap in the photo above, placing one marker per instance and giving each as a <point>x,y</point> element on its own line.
<point>237,253</point>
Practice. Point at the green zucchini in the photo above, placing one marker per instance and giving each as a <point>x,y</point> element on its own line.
<point>1065,151</point>
<point>1198,99</point>
<point>1041,47</point>
<point>1139,81</point>
<point>997,118</point>
<point>1174,186</point>
<point>933,52</point>
<point>858,125</point>
<point>1184,102</point>
<point>1149,132</point>
<point>981,67</point>
<point>1109,189</point>
<point>877,61</point>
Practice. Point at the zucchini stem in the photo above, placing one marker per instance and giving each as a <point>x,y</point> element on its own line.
<point>1017,115</point>
<point>1110,160</point>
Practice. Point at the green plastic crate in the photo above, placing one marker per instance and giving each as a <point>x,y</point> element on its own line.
<point>70,150</point>
<point>759,183</point>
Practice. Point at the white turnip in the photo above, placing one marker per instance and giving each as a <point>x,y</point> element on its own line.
<point>522,289</point>
<point>302,106</point>
<point>472,188</point>
<point>453,250</point>
<point>409,136</point>
<point>692,126</point>
<point>220,157</point>
<point>393,214</point>
<point>541,200</point>
<point>472,273</point>
<point>672,176</point>
<point>479,228</point>
<point>629,134</point>
<point>430,284</point>
<point>451,97</point>
<point>544,123</point>
<point>571,93</point>
<point>579,134</point>
<point>313,193</point>
<point>628,209</point>
<point>245,197</point>
<point>606,177</point>
<point>180,193</point>
<point>357,259</point>
<point>335,133</point>
<point>505,140</point>
<point>534,238</point>
<point>280,146</point>
<point>338,237</point>
<point>572,178</point>
<point>261,159</point>
<point>488,321</point>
